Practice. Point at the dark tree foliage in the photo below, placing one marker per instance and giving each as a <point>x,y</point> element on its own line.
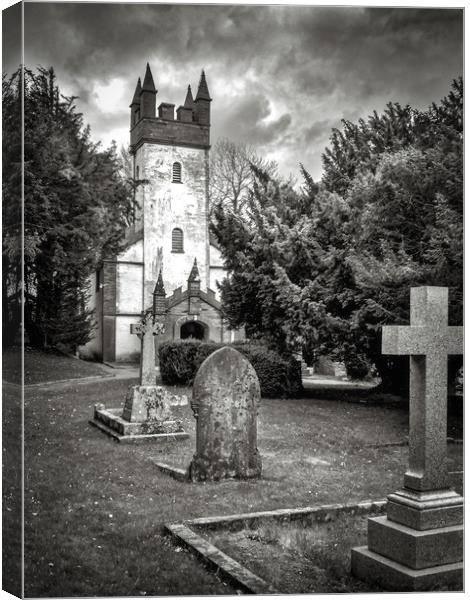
<point>323,269</point>
<point>11,206</point>
<point>358,146</point>
<point>76,209</point>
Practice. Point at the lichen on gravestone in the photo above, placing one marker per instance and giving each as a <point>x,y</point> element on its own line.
<point>226,394</point>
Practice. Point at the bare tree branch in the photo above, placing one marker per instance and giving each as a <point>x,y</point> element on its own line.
<point>231,174</point>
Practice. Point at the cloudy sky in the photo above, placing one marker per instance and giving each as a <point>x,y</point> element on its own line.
<point>281,77</point>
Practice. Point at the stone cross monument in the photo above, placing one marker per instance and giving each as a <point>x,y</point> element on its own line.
<point>429,341</point>
<point>148,407</point>
<point>146,330</point>
<point>419,544</point>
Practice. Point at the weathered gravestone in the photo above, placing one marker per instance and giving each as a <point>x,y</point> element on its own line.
<point>324,366</point>
<point>147,409</point>
<point>419,544</point>
<point>225,400</point>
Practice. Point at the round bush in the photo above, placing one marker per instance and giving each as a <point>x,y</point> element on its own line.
<point>278,376</point>
<point>177,361</point>
<point>357,366</point>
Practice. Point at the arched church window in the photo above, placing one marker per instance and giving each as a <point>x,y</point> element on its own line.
<point>176,172</point>
<point>177,240</point>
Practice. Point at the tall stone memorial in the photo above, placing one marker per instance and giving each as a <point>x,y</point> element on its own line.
<point>147,409</point>
<point>419,544</point>
<point>225,400</point>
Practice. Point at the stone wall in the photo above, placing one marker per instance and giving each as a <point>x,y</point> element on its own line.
<point>127,345</point>
<point>178,315</point>
<point>169,205</point>
<point>134,253</point>
<point>129,298</point>
<point>103,300</point>
<point>94,348</point>
<point>166,131</point>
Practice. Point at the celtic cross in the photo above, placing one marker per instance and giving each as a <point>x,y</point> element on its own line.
<point>145,330</point>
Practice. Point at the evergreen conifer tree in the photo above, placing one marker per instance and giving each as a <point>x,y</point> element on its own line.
<point>76,209</point>
<point>323,269</point>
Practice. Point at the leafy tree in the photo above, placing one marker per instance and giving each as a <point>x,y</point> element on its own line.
<point>276,262</point>
<point>231,175</point>
<point>127,166</point>
<point>325,268</point>
<point>126,171</point>
<point>76,209</point>
<point>11,206</point>
<point>358,146</point>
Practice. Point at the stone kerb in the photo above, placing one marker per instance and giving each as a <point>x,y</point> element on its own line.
<point>187,535</point>
<point>226,394</point>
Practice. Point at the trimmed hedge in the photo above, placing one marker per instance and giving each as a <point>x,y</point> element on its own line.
<point>278,376</point>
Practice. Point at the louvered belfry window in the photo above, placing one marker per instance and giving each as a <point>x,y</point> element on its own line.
<point>177,240</point>
<point>176,172</point>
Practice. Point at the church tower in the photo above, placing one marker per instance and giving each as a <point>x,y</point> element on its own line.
<point>168,261</point>
<point>171,153</point>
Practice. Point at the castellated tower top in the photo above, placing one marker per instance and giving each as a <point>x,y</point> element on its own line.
<point>191,127</point>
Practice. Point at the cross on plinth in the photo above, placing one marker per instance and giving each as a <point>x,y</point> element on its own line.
<point>428,340</point>
<point>145,330</point>
<point>418,545</point>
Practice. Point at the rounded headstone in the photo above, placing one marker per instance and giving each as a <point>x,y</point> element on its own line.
<point>225,400</point>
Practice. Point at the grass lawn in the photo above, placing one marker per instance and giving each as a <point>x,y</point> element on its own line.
<point>11,489</point>
<point>40,367</point>
<point>11,364</point>
<point>296,559</point>
<point>95,509</point>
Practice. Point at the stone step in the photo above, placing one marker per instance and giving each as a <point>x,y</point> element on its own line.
<point>413,548</point>
<point>393,576</point>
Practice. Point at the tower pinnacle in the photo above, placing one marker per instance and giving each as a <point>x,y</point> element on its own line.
<point>189,102</point>
<point>148,95</point>
<point>194,275</point>
<point>138,89</point>
<point>159,304</point>
<point>159,287</point>
<point>203,90</point>
<point>148,85</point>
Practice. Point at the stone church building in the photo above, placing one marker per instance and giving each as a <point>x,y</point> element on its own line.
<point>169,241</point>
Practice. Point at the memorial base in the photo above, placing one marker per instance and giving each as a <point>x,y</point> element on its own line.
<point>112,423</point>
<point>393,576</point>
<point>417,546</point>
<point>425,510</point>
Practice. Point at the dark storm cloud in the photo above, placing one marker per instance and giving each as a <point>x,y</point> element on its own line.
<point>11,38</point>
<point>250,121</point>
<point>317,130</point>
<point>281,76</point>
<point>130,33</point>
<point>371,49</point>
